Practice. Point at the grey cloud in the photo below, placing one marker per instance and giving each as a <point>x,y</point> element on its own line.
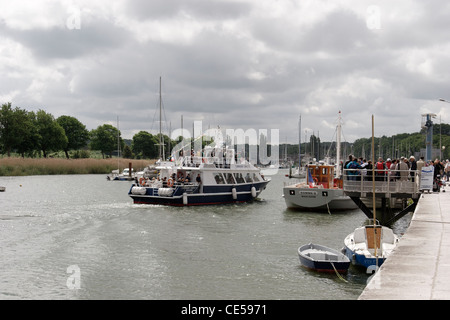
<point>201,9</point>
<point>94,36</point>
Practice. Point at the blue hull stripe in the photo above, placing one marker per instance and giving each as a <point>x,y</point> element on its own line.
<point>211,195</point>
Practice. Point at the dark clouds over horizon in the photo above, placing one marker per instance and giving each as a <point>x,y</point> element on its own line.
<point>238,64</point>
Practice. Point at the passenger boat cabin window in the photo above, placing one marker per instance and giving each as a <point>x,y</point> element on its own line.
<point>248,178</point>
<point>239,178</point>
<point>219,178</point>
<point>229,178</point>
<point>255,178</point>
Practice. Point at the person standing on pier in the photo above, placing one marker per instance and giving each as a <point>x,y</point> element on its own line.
<point>413,167</point>
<point>420,165</point>
<point>402,168</point>
<point>380,170</point>
<point>447,170</point>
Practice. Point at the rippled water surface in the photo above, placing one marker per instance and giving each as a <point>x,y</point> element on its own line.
<point>81,237</point>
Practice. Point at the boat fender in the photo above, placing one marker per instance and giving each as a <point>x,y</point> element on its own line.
<point>170,183</point>
<point>234,193</point>
<point>253,192</point>
<point>185,199</point>
<point>138,190</point>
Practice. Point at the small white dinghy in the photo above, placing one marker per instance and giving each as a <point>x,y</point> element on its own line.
<point>323,259</point>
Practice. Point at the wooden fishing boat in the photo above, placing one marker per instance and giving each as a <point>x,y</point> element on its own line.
<point>323,189</point>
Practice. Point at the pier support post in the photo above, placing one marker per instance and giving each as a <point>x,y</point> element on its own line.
<point>387,217</point>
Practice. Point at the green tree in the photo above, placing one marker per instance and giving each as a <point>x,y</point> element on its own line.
<point>144,145</point>
<point>127,153</point>
<point>29,137</point>
<point>8,128</point>
<point>76,132</point>
<point>51,135</point>
<point>17,130</point>
<point>104,138</point>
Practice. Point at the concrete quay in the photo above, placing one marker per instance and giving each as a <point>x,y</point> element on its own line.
<point>419,267</point>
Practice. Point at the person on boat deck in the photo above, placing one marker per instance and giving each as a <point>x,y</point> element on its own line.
<point>187,179</point>
<point>199,182</point>
<point>353,174</point>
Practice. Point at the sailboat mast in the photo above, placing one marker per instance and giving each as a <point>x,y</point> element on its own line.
<point>338,147</point>
<point>161,139</point>
<point>118,144</point>
<point>299,142</point>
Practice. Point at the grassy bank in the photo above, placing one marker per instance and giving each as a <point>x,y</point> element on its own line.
<point>29,166</point>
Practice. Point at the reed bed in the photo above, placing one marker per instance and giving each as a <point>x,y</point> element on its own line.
<point>53,166</point>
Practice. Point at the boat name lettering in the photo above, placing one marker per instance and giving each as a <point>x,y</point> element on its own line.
<point>308,194</point>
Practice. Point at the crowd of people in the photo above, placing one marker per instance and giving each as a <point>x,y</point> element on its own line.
<point>402,169</point>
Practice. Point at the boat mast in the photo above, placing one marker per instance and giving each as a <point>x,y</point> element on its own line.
<point>299,143</point>
<point>161,138</point>
<point>118,145</point>
<point>338,148</point>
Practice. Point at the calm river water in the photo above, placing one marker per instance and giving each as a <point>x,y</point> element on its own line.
<point>81,237</point>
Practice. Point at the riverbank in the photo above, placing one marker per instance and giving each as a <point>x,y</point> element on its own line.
<point>52,166</point>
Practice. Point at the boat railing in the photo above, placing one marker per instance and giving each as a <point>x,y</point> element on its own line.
<point>387,182</point>
<point>195,161</point>
<point>294,182</point>
<point>213,162</point>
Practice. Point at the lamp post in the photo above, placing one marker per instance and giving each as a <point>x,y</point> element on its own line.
<point>440,130</point>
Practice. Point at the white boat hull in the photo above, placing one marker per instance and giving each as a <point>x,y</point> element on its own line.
<point>317,199</point>
<point>359,247</point>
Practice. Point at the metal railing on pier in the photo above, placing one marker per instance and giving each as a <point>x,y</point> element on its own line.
<point>388,183</point>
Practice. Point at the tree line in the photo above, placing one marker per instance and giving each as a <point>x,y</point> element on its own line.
<point>403,144</point>
<point>36,134</point>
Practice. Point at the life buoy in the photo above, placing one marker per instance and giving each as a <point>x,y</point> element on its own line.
<point>316,181</point>
<point>170,183</point>
<point>142,181</point>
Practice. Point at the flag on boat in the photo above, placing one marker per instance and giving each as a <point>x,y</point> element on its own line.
<point>310,179</point>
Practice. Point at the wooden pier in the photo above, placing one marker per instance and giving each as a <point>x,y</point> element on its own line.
<point>389,190</point>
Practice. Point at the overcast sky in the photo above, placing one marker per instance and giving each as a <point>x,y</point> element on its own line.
<point>240,64</point>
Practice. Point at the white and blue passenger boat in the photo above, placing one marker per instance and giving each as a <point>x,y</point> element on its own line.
<point>200,180</point>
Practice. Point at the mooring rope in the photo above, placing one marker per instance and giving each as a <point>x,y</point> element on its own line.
<point>337,273</point>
